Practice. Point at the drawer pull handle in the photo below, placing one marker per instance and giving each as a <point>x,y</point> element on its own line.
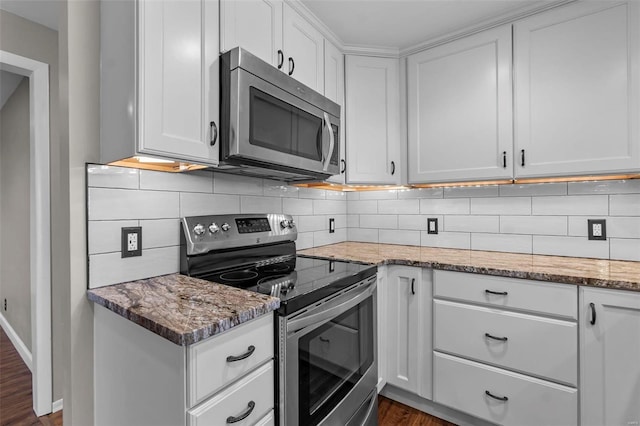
<point>498,293</point>
<point>233,358</point>
<point>244,415</point>
<point>593,313</point>
<point>499,398</point>
<point>502,339</point>
<point>413,289</point>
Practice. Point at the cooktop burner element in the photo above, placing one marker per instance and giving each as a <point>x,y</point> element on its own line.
<point>238,276</point>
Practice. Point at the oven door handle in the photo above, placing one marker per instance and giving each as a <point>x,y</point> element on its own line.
<point>337,307</point>
<point>327,159</point>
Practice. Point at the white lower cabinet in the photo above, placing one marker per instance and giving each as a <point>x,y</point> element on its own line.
<point>382,327</point>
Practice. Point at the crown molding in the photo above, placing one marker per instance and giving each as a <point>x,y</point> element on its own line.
<point>383,52</point>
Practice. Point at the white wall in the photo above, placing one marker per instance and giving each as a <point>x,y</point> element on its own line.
<point>549,219</point>
<point>15,274</point>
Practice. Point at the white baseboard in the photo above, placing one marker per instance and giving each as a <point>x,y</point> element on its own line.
<point>22,349</point>
<point>56,406</point>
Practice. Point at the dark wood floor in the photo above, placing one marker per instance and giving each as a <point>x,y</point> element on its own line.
<point>15,390</point>
<point>392,413</point>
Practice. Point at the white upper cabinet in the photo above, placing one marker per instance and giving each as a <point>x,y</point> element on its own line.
<point>304,50</point>
<point>255,25</point>
<point>334,90</point>
<point>373,125</point>
<point>160,80</point>
<point>459,110</point>
<point>576,90</point>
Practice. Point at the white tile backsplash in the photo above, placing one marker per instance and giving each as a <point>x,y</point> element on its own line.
<point>385,221</point>
<point>468,223</point>
<point>570,246</point>
<point>162,181</point>
<point>224,183</point>
<point>113,177</point>
<point>571,205</point>
<point>116,204</point>
<point>442,206</point>
<point>501,205</point>
<point>605,187</point>
<point>365,235</point>
<point>457,240</point>
<point>297,206</point>
<point>193,204</point>
<point>160,233</point>
<point>540,225</point>
<point>106,235</point>
<point>533,189</point>
<point>254,204</point>
<point>410,238</point>
<point>624,205</point>
<point>502,242</point>
<point>329,207</point>
<point>471,191</point>
<point>399,206</point>
<point>625,249</point>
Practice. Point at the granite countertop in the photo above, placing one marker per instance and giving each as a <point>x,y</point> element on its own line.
<point>182,309</point>
<point>612,274</point>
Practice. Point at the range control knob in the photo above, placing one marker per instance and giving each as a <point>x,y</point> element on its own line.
<point>225,227</point>
<point>292,224</point>
<point>214,228</point>
<point>199,229</point>
<point>285,224</point>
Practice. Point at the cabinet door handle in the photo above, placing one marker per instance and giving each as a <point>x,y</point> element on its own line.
<point>498,293</point>
<point>413,289</point>
<point>504,159</point>
<point>233,358</point>
<point>499,398</point>
<point>522,157</point>
<point>344,166</point>
<point>592,306</point>
<point>214,133</point>
<point>393,168</point>
<point>280,59</point>
<point>250,406</point>
<point>502,339</point>
<point>292,66</point>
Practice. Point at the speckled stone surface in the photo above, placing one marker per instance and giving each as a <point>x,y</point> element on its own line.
<point>611,274</point>
<point>182,309</point>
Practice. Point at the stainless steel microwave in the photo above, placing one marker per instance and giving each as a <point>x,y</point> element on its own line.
<point>273,126</point>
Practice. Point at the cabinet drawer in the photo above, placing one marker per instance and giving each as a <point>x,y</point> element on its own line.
<point>527,295</point>
<point>462,384</point>
<point>535,345</point>
<point>256,389</point>
<point>208,367</point>
<point>268,420</point>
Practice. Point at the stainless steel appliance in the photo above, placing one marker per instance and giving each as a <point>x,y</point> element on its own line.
<point>272,125</point>
<point>326,324</point>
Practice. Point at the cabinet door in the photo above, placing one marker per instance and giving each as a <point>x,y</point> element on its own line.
<point>609,354</point>
<point>373,124</point>
<point>459,110</point>
<point>255,25</point>
<point>178,80</point>
<point>303,50</point>
<point>577,91</point>
<point>334,90</point>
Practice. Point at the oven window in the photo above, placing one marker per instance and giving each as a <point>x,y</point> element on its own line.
<point>332,359</point>
<point>279,126</point>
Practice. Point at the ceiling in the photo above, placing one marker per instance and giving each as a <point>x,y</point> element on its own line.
<point>44,12</point>
<point>400,24</point>
<point>8,84</point>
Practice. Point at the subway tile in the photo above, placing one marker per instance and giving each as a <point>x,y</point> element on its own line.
<point>471,223</point>
<point>617,227</point>
<point>365,235</point>
<point>304,241</point>
<point>410,238</point>
<point>625,249</point>
<point>225,183</point>
<point>253,204</point>
<point>160,233</point>
<point>116,204</point>
<point>399,206</point>
<point>501,205</point>
<point>314,194</point>
<point>362,207</point>
<point>471,191</point>
<point>186,182</point>
<point>110,268</point>
<point>312,223</point>
<point>353,195</point>
<point>535,225</point>
<point>571,205</point>
<point>297,206</point>
<point>533,189</point>
<point>105,235</point>
<point>387,221</point>
<point>502,242</point>
<point>323,238</point>
<point>457,240</point>
<point>112,177</point>
<point>341,220</point>
<point>605,187</point>
<point>570,246</point>
<point>193,204</point>
<point>624,205</point>
<point>391,194</point>
<point>444,206</point>
<point>336,195</point>
<point>415,222</point>
<point>274,188</point>
<point>329,207</point>
<point>417,193</point>
<point>353,221</point>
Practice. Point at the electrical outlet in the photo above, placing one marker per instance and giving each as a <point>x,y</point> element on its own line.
<point>131,241</point>
<point>432,225</point>
<point>597,229</point>
<point>332,225</point>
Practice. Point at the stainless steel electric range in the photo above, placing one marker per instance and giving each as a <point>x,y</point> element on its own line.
<point>326,344</point>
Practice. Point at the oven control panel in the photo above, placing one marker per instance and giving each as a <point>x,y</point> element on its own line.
<point>253,224</point>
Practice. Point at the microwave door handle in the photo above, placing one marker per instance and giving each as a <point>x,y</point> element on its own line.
<point>325,166</point>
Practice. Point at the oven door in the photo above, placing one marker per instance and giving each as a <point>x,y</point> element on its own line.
<point>270,125</point>
<point>330,366</point>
